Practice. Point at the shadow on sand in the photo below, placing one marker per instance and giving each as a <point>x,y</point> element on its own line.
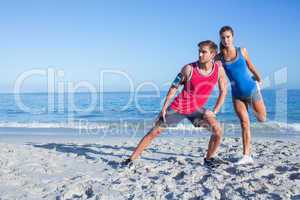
<point>103,152</point>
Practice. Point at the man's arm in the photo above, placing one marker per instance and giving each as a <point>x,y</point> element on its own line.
<point>222,84</point>
<point>251,65</point>
<point>171,93</point>
<point>184,77</point>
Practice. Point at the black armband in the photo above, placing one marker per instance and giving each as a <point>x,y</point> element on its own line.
<point>178,80</point>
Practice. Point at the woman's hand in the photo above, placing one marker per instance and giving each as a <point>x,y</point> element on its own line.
<point>258,80</point>
<point>260,83</point>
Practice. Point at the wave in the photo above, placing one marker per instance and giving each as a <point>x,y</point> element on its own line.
<point>268,127</point>
<point>34,125</point>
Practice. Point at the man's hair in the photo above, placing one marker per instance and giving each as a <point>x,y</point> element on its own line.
<point>212,46</point>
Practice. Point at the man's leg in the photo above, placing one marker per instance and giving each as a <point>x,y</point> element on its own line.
<point>144,143</point>
<point>172,118</point>
<point>215,139</point>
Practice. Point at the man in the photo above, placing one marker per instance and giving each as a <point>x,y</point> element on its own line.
<point>199,79</point>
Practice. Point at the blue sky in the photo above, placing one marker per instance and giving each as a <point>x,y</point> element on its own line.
<point>149,40</point>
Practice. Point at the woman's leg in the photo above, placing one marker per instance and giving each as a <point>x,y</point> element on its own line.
<point>259,110</point>
<point>241,109</point>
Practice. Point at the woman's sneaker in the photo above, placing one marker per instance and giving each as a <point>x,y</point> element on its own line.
<point>246,159</point>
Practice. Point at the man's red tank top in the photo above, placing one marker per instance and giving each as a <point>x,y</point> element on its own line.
<point>196,91</point>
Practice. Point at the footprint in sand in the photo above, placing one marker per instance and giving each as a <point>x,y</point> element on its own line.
<point>282,169</point>
<point>294,176</point>
<point>179,176</point>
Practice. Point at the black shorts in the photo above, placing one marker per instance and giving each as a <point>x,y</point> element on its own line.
<point>172,118</point>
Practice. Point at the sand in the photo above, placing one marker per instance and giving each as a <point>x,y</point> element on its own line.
<point>171,168</point>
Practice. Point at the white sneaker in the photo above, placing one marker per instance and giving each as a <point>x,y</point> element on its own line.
<point>246,159</point>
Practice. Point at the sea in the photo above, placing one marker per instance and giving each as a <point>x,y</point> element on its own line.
<point>133,114</point>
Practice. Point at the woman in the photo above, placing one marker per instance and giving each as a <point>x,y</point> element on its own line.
<point>245,89</point>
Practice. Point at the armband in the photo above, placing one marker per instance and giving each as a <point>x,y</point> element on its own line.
<point>177,81</point>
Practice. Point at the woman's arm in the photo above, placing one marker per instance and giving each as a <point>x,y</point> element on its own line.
<point>251,65</point>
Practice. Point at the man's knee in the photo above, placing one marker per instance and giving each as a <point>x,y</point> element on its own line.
<point>217,135</point>
<point>214,126</point>
<point>217,131</point>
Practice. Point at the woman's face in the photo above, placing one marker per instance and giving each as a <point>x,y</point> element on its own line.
<point>227,39</point>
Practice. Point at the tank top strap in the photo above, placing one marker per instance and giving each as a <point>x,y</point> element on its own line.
<point>239,52</point>
<point>194,67</point>
<point>217,66</point>
<point>195,64</point>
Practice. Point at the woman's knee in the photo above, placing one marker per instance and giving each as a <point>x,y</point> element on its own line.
<point>260,111</point>
<point>261,117</point>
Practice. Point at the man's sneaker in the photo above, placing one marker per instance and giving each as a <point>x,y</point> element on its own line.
<point>211,163</point>
<point>126,163</point>
<point>219,160</point>
<point>246,159</point>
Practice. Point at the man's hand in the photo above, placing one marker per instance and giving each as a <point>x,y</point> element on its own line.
<point>209,114</point>
<point>163,114</point>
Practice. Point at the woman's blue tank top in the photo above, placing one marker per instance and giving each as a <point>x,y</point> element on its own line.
<point>242,82</point>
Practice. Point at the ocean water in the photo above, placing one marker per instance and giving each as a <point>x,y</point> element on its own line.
<point>124,113</point>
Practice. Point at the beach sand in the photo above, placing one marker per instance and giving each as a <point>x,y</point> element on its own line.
<point>171,168</point>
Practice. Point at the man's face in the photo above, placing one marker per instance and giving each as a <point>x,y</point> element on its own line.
<point>205,54</point>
